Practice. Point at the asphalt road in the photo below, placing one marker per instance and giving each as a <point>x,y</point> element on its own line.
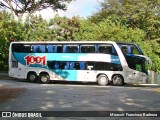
<point>62,96</point>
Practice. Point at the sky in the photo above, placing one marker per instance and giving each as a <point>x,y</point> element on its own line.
<point>82,8</point>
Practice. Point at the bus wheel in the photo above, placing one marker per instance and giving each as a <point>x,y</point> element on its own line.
<point>117,80</point>
<point>102,80</point>
<point>32,77</point>
<point>44,78</point>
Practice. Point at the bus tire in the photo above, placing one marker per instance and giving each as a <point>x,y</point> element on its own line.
<point>118,80</point>
<point>32,77</point>
<point>102,80</point>
<point>44,78</point>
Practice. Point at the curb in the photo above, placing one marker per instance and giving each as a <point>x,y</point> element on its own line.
<point>147,85</point>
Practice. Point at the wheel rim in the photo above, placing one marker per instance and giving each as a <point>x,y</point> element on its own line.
<point>117,80</point>
<point>44,79</point>
<point>32,77</point>
<point>102,80</point>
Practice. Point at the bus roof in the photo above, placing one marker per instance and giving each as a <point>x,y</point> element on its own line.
<point>64,42</point>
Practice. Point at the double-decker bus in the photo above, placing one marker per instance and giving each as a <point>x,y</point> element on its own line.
<point>101,62</point>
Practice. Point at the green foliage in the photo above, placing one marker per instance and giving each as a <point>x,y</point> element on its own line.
<point>109,30</point>
<point>65,28</point>
<point>36,29</point>
<point>6,34</point>
<point>87,30</point>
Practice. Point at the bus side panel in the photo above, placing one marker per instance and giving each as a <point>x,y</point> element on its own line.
<point>68,75</point>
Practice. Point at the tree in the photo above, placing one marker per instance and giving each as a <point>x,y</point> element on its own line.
<point>65,28</point>
<point>19,7</point>
<point>37,29</point>
<point>7,34</point>
<point>142,14</point>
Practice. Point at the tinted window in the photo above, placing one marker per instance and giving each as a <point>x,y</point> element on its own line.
<point>27,48</point>
<point>71,49</point>
<point>66,65</point>
<point>17,47</point>
<point>51,48</point>
<point>107,49</point>
<point>59,48</point>
<point>99,66</point>
<point>88,49</point>
<point>113,67</point>
<point>51,64</point>
<point>38,48</point>
<point>76,66</point>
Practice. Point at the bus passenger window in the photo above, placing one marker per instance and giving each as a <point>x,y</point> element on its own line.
<point>99,66</point>
<point>82,65</point>
<point>17,48</point>
<point>50,64</point>
<point>88,49</point>
<point>38,50</point>
<point>27,48</point>
<point>76,66</point>
<point>103,49</point>
<point>34,48</point>
<point>51,48</point>
<point>59,48</point>
<point>42,48</point>
<point>71,49</point>
<point>71,65</point>
<point>56,65</point>
<point>66,66</point>
<point>62,65</point>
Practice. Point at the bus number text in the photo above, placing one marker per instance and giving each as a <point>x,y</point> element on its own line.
<point>35,59</point>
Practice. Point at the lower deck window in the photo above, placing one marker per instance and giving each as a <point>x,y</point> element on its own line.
<point>65,65</point>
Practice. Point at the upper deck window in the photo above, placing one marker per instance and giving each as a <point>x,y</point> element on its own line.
<point>72,49</point>
<point>17,47</point>
<point>88,49</point>
<point>59,49</point>
<point>51,48</point>
<point>27,49</point>
<point>39,48</point>
<point>107,49</point>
